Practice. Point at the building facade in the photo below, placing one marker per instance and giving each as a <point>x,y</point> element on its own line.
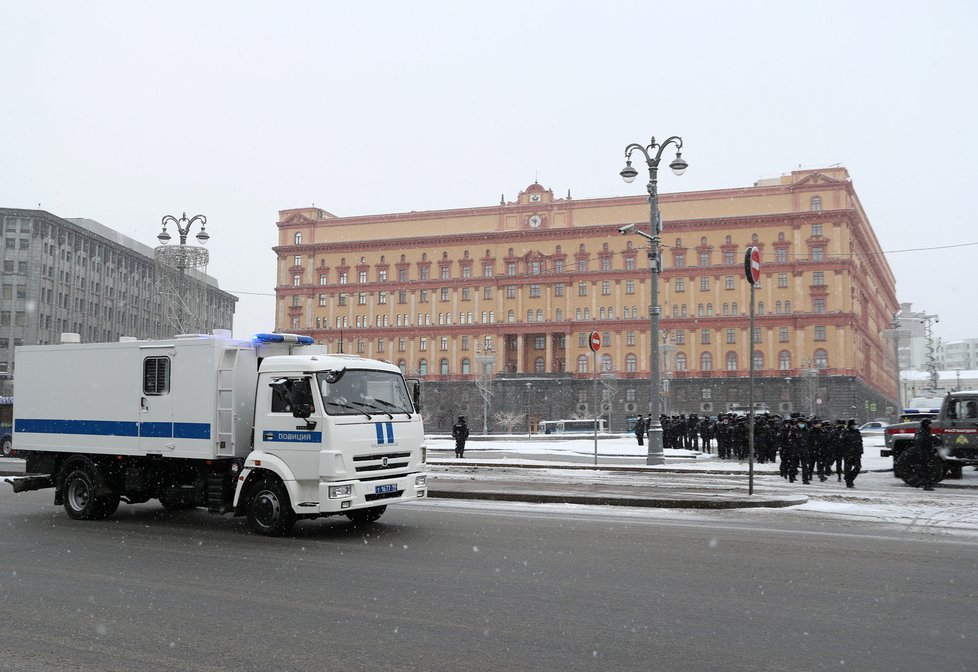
<point>507,295</point>
<point>76,275</point>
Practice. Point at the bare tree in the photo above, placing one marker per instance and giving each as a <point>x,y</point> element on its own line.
<point>509,419</point>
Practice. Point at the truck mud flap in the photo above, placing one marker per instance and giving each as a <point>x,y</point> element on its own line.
<point>27,483</point>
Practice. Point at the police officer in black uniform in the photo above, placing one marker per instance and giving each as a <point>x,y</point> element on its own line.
<point>460,432</point>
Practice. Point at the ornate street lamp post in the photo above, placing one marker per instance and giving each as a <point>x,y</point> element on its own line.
<point>653,154</point>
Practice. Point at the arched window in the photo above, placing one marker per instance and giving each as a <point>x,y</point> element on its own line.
<point>582,364</point>
<point>298,239</point>
<point>706,362</point>
<point>587,313</point>
<point>559,315</point>
<point>602,316</point>
<point>466,366</point>
<point>402,365</point>
<point>538,365</point>
<point>699,310</point>
<point>758,360</point>
<point>443,367</point>
<point>577,314</point>
<point>731,361</point>
<point>606,363</point>
<point>511,316</point>
<point>539,314</point>
<point>784,360</point>
<point>821,359</point>
<point>631,363</point>
<point>529,315</point>
<point>423,367</point>
<point>681,361</point>
<point>760,307</point>
<point>709,310</point>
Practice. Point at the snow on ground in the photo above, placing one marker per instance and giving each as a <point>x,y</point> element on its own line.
<point>878,497</point>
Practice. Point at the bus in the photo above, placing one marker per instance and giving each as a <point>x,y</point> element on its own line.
<point>572,426</point>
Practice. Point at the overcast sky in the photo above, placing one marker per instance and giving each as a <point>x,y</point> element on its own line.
<point>123,112</point>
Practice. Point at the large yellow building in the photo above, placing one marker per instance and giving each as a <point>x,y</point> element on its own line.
<point>516,288</point>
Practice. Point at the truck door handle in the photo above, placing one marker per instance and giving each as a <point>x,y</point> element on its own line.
<point>143,406</point>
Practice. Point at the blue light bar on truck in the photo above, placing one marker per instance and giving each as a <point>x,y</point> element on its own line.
<point>283,338</point>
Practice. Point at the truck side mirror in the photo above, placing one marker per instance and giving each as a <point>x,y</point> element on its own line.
<point>415,386</point>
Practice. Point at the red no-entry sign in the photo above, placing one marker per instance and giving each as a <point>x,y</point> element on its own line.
<point>594,340</point>
<point>752,265</point>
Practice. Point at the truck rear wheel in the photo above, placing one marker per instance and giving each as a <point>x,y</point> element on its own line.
<point>80,500</point>
<point>6,447</point>
<point>269,508</point>
<point>364,516</point>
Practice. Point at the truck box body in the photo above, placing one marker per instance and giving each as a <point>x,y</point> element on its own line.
<point>209,420</point>
<point>93,398</point>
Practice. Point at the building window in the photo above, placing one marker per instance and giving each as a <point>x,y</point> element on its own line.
<point>706,362</point>
<point>705,337</point>
<point>728,258</point>
<point>680,337</point>
<point>782,334</point>
<point>425,272</point>
<point>630,338</point>
<point>322,279</point>
<point>820,333</point>
<point>704,258</point>
<point>631,363</point>
<point>728,282</point>
<point>821,359</point>
<point>818,305</point>
<point>444,343</point>
<point>816,230</point>
<point>757,335</point>
<point>582,364</point>
<point>297,239</point>
<point>818,254</point>
<point>362,299</point>
<point>582,288</point>
<point>758,360</point>
<point>680,260</point>
<point>511,268</point>
<point>818,278</point>
<point>534,291</point>
<point>784,360</point>
<point>704,284</point>
<point>343,278</point>
<point>296,280</point>
<point>680,361</point>
<point>731,336</point>
<point>816,203</point>
<point>629,263</point>
<point>362,277</point>
<point>487,293</point>
<point>466,366</point>
<point>487,270</point>
<point>629,287</point>
<point>423,344</point>
<point>510,291</point>
<point>444,293</point>
<point>445,273</point>
<point>680,284</point>
<point>781,255</point>
<point>605,288</point>
<point>423,367</point>
<point>782,280</point>
<point>731,361</point>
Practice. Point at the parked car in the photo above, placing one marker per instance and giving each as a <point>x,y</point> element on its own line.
<point>874,427</point>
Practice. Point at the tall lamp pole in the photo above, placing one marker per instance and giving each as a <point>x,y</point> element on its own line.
<point>653,154</point>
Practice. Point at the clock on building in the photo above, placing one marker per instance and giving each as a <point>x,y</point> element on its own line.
<point>534,198</point>
<point>535,220</point>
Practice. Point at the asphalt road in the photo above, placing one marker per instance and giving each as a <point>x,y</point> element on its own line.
<point>447,585</point>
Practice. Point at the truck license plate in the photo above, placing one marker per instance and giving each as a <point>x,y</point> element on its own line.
<point>383,489</point>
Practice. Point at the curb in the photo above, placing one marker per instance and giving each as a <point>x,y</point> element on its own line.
<point>678,501</point>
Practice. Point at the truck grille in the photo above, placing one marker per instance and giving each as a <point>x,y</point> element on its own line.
<point>380,462</point>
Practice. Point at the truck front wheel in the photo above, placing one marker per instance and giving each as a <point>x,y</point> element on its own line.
<point>269,508</point>
<point>364,516</point>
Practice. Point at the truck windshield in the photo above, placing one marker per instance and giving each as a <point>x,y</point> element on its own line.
<point>365,392</point>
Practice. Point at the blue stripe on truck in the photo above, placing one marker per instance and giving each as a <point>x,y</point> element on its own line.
<point>162,430</point>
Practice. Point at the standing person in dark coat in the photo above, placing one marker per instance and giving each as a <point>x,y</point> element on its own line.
<point>852,452</point>
<point>835,439</point>
<point>723,431</point>
<point>821,450</point>
<point>460,432</point>
<point>923,447</point>
<point>640,430</point>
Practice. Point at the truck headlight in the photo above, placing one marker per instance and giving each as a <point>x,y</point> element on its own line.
<point>420,481</point>
<point>340,491</point>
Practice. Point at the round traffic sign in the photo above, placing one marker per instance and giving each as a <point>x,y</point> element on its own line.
<point>752,265</point>
<point>594,340</point>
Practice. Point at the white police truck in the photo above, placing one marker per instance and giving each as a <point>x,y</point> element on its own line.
<point>274,429</point>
